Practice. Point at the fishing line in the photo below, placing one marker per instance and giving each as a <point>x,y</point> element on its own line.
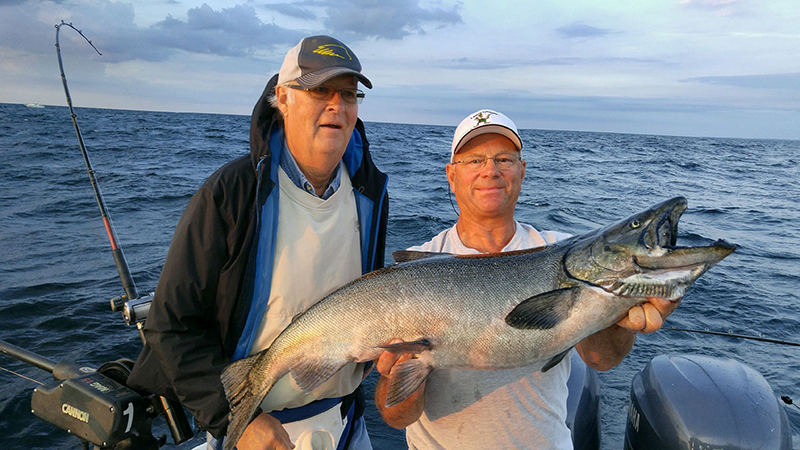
<point>730,333</point>
<point>450,197</point>
<point>22,376</point>
<point>788,400</point>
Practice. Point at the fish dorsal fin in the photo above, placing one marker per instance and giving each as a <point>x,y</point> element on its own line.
<point>401,256</point>
<point>543,311</point>
<point>406,378</point>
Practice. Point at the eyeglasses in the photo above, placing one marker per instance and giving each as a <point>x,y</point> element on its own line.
<point>475,163</point>
<point>327,92</point>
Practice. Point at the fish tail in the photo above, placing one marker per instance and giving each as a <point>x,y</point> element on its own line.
<point>243,396</point>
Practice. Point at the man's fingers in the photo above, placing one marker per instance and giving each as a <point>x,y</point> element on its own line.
<point>649,316</point>
<point>387,360</point>
<point>653,319</point>
<point>635,320</point>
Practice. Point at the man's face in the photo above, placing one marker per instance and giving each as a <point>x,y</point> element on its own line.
<point>488,193</point>
<point>317,131</point>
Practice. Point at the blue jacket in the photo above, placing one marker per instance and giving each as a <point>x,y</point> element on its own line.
<point>202,316</point>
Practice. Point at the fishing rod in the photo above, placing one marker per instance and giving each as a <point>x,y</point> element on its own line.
<point>96,405</point>
<point>760,338</point>
<point>133,306</point>
<point>119,257</point>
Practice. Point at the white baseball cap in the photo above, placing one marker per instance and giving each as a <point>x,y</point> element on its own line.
<point>482,122</point>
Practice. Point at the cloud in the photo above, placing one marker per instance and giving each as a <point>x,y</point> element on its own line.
<point>721,7</point>
<point>291,10</point>
<point>504,63</point>
<point>386,19</point>
<point>228,32</point>
<point>580,30</point>
<point>789,81</point>
<point>235,31</point>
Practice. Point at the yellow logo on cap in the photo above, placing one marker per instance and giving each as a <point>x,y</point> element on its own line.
<point>481,119</point>
<point>333,50</point>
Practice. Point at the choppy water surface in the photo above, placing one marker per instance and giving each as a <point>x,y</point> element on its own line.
<point>57,273</point>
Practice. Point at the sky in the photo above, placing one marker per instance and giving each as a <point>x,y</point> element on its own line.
<point>716,68</point>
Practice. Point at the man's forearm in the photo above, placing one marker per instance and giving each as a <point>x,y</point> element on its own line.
<point>404,413</point>
<point>606,348</point>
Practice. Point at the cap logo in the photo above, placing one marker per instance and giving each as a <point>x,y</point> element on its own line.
<point>334,50</point>
<point>481,119</point>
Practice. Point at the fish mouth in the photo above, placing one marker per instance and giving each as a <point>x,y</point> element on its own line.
<point>663,230</point>
<point>661,237</point>
<point>639,256</point>
<point>686,257</point>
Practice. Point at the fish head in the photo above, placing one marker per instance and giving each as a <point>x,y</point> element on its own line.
<point>638,257</point>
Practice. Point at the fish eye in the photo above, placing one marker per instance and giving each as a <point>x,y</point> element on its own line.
<point>635,224</point>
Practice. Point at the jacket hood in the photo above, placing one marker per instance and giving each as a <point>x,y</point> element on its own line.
<point>261,122</point>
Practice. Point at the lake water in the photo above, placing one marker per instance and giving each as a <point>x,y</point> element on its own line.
<point>57,273</point>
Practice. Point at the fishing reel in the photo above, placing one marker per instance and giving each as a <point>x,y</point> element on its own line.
<point>134,312</point>
<point>97,406</point>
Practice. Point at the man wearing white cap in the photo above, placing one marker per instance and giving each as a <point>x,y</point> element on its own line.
<point>267,236</point>
<point>520,408</point>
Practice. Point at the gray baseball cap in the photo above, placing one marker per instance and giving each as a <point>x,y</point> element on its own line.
<point>317,59</point>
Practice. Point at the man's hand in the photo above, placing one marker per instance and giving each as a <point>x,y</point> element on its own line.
<point>650,316</point>
<point>409,410</point>
<point>607,348</point>
<point>265,433</point>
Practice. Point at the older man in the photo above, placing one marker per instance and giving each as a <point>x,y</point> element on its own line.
<point>504,409</point>
<point>266,237</point>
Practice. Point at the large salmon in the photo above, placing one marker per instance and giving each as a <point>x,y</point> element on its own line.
<point>484,312</point>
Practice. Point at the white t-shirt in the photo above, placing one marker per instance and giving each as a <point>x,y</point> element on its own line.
<point>519,408</point>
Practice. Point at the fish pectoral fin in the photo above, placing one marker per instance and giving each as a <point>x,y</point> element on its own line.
<point>555,360</point>
<point>401,256</point>
<point>406,378</point>
<point>417,346</point>
<point>543,311</point>
<point>309,374</point>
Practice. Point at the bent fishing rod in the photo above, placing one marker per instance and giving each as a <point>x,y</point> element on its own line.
<point>119,257</point>
<point>96,405</point>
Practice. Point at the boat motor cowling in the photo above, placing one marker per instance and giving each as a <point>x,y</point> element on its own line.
<point>704,403</point>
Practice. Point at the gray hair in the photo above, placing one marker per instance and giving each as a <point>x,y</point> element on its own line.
<point>273,99</point>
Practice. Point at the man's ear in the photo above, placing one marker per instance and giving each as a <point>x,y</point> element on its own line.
<point>451,176</point>
<point>282,96</point>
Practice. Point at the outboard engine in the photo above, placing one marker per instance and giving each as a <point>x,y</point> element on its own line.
<point>583,405</point>
<point>704,403</point>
